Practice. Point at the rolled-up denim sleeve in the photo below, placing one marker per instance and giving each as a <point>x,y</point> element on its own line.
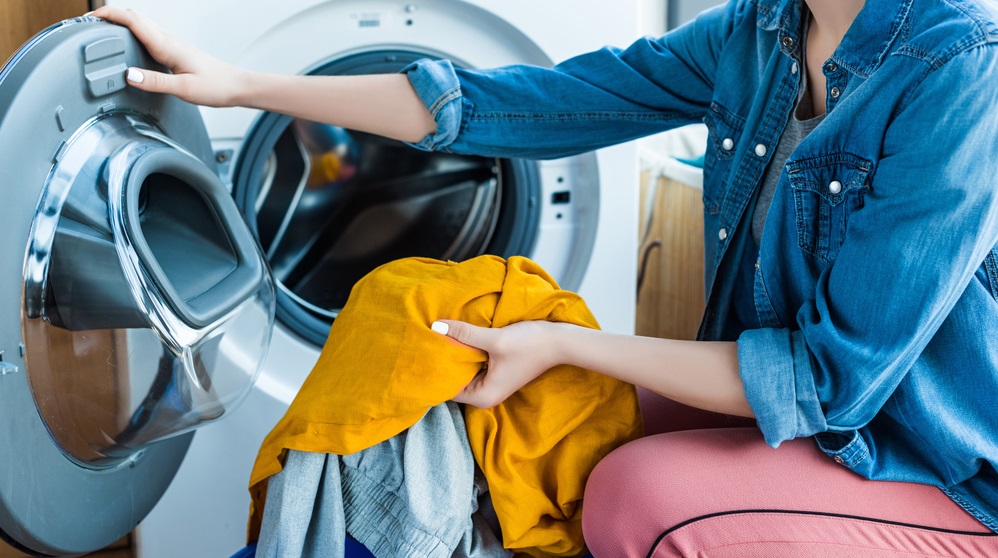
<point>587,102</point>
<point>436,83</point>
<point>775,367</point>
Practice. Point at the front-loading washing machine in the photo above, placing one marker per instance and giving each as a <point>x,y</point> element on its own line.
<point>328,204</point>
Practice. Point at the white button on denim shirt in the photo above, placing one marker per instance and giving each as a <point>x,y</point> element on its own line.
<point>877,280</point>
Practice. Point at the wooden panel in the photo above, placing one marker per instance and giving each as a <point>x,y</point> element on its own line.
<point>80,383</point>
<point>121,549</point>
<point>20,19</point>
<point>671,294</point>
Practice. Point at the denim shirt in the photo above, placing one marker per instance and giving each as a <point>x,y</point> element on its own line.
<point>876,280</point>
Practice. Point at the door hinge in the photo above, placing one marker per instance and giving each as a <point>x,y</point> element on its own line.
<point>6,367</point>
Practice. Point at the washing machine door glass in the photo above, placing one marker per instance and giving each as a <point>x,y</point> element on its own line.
<point>144,305</point>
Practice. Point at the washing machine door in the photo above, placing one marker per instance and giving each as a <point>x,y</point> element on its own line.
<point>135,304</point>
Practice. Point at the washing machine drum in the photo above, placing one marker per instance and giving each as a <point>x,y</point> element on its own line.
<point>329,204</point>
<point>135,304</point>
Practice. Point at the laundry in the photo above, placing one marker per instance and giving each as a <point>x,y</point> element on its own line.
<point>397,498</point>
<point>382,368</point>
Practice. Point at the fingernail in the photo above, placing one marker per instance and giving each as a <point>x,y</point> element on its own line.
<point>440,327</point>
<point>135,76</point>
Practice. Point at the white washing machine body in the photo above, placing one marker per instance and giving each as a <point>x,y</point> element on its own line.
<point>588,245</point>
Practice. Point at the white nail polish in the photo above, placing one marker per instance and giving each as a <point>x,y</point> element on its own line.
<point>440,327</point>
<point>135,76</point>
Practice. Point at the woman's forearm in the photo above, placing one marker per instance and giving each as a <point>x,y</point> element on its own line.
<point>697,373</point>
<point>385,105</point>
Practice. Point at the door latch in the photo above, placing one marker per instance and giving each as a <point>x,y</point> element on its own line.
<point>104,66</point>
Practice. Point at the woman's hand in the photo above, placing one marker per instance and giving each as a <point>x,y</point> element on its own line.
<point>518,354</point>
<point>197,77</point>
<point>699,374</point>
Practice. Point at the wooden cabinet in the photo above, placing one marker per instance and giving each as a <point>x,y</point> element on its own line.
<point>670,261</point>
<point>20,19</point>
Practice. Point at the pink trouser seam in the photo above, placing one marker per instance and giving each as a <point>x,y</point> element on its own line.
<point>700,523</point>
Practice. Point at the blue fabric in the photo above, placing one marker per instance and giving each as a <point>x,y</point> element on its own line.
<point>356,550</point>
<point>353,550</point>
<point>416,494</point>
<point>877,280</point>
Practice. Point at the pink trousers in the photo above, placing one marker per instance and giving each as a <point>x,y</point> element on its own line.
<point>723,493</point>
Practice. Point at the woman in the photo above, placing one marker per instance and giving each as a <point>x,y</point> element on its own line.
<point>851,218</point>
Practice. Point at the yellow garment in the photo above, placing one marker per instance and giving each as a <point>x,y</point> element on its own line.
<point>382,367</point>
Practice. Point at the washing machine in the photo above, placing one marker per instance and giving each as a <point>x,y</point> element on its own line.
<point>324,206</point>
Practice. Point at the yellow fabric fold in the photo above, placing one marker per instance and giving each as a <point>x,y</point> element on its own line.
<point>382,367</point>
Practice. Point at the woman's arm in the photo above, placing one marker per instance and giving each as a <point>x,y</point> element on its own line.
<point>699,374</point>
<point>385,105</point>
<point>590,101</point>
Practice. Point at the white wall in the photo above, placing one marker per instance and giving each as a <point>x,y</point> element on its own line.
<point>653,16</point>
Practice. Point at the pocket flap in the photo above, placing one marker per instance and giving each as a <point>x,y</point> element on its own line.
<point>724,129</point>
<point>829,176</point>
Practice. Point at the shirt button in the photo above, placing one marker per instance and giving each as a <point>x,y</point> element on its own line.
<point>839,460</point>
<point>793,68</point>
<point>788,42</point>
<point>722,234</point>
<point>832,67</point>
<point>835,92</point>
<point>760,150</point>
<point>728,144</point>
<point>834,187</point>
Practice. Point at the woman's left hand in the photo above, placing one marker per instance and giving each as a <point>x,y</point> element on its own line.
<point>518,353</point>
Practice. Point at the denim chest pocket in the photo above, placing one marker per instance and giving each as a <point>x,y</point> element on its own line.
<point>826,191</point>
<point>724,129</point>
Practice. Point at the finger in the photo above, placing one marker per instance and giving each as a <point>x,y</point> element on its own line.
<point>475,400</point>
<point>107,12</point>
<point>467,394</point>
<point>471,335</point>
<point>121,16</point>
<point>478,393</point>
<point>145,31</point>
<point>155,82</point>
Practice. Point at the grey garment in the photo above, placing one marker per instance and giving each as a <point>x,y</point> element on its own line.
<point>801,124</point>
<point>414,495</point>
<point>304,511</point>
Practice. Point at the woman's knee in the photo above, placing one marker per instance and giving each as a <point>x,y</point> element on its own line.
<point>630,497</point>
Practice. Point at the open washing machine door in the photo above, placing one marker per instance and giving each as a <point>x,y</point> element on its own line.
<point>135,303</point>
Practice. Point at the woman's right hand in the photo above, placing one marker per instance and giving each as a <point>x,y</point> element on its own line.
<point>196,77</point>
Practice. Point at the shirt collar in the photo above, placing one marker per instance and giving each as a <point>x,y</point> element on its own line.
<point>864,46</point>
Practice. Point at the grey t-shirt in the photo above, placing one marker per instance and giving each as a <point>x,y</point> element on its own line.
<point>802,122</point>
